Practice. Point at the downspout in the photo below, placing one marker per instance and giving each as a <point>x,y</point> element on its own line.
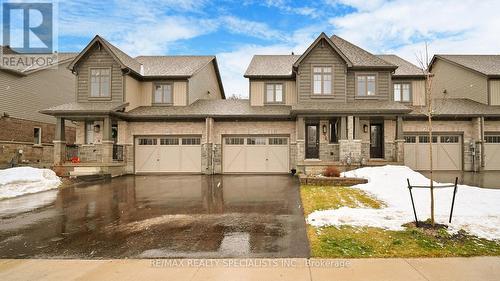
<point>481,126</point>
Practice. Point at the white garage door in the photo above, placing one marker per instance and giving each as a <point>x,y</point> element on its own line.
<point>168,154</point>
<point>492,152</point>
<point>255,154</point>
<point>446,152</point>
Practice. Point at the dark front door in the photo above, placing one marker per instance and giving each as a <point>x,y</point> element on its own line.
<point>376,141</point>
<point>312,141</point>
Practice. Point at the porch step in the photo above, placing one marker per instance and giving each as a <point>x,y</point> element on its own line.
<point>85,171</point>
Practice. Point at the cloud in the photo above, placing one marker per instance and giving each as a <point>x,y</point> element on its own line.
<point>250,28</point>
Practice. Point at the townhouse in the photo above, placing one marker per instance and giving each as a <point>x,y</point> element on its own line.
<point>336,104</point>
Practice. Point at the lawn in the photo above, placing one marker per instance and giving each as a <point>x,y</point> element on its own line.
<point>359,242</point>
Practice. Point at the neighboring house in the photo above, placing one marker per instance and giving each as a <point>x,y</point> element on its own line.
<point>336,104</point>
<point>26,136</point>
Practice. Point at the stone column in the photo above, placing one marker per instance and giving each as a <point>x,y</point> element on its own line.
<point>357,129</point>
<point>399,128</point>
<point>59,142</point>
<point>107,141</point>
<point>343,128</point>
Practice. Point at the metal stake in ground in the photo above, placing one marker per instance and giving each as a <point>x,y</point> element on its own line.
<point>412,203</point>
<point>453,200</point>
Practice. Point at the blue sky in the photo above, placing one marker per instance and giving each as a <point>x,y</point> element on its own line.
<point>235,30</point>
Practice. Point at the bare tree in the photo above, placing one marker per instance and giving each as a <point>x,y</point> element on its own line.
<point>424,62</point>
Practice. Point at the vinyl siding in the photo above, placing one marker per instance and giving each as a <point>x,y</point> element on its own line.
<point>24,97</point>
<point>203,82</point>
<point>98,58</point>
<point>458,82</point>
<point>418,92</point>
<point>495,92</point>
<point>322,55</point>
<point>257,91</point>
<point>133,92</point>
<point>382,88</point>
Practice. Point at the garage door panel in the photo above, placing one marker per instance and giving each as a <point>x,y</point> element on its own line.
<point>278,159</point>
<point>190,158</point>
<point>255,158</point>
<point>492,152</point>
<point>234,159</point>
<point>446,153</point>
<point>170,157</point>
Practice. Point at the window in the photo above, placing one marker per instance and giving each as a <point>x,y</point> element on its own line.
<point>191,141</point>
<point>147,141</point>
<point>425,139</point>
<point>274,93</point>
<point>100,82</point>
<point>278,141</point>
<point>410,139</point>
<point>402,92</point>
<point>366,85</point>
<point>169,141</point>
<point>322,80</point>
<point>449,139</point>
<point>235,141</point>
<point>37,135</point>
<point>163,94</point>
<point>89,132</point>
<point>334,130</point>
<point>256,141</point>
<point>492,139</point>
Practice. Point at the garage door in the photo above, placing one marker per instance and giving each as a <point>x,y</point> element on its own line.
<point>446,152</point>
<point>168,154</point>
<point>492,152</point>
<point>255,154</point>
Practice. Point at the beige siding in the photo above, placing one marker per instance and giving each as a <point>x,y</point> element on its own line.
<point>141,93</point>
<point>257,92</point>
<point>458,82</point>
<point>383,86</point>
<point>418,92</point>
<point>133,92</point>
<point>180,92</point>
<point>202,83</point>
<point>322,55</point>
<point>24,97</point>
<point>99,58</point>
<point>495,92</point>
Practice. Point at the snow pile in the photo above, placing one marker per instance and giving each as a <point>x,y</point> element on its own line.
<point>476,210</point>
<point>25,180</point>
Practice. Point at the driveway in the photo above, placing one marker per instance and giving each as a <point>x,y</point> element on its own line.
<point>490,179</point>
<point>159,216</point>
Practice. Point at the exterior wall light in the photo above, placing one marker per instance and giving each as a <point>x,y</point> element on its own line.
<point>365,128</point>
<point>324,129</point>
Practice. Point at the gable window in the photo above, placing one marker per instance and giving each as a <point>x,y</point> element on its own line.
<point>274,93</point>
<point>100,82</point>
<point>37,135</point>
<point>89,132</point>
<point>366,85</point>
<point>334,130</point>
<point>322,80</point>
<point>163,94</point>
<point>402,92</point>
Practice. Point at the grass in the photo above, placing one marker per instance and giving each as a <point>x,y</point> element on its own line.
<point>362,242</point>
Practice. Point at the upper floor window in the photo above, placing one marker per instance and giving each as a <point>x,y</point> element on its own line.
<point>366,85</point>
<point>322,77</point>
<point>274,93</point>
<point>100,82</point>
<point>402,92</point>
<point>163,94</point>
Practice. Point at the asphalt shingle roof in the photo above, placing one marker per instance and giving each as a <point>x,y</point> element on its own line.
<point>485,64</point>
<point>127,60</point>
<point>458,107</point>
<point>405,68</point>
<point>172,65</point>
<point>81,107</point>
<point>271,65</point>
<point>26,69</point>
<point>358,106</point>
<point>211,108</point>
<point>358,56</point>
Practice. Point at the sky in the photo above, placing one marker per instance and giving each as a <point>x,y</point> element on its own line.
<point>236,30</point>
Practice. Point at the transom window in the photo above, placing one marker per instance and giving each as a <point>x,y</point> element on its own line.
<point>366,85</point>
<point>235,141</point>
<point>100,82</point>
<point>322,76</point>
<point>274,93</point>
<point>147,141</point>
<point>163,94</point>
<point>256,141</point>
<point>449,139</point>
<point>402,92</point>
<point>191,141</point>
<point>169,141</point>
<point>425,139</point>
<point>492,139</point>
<point>410,139</point>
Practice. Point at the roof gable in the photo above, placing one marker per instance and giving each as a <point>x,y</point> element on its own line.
<point>360,57</point>
<point>488,65</point>
<point>318,40</point>
<point>405,68</point>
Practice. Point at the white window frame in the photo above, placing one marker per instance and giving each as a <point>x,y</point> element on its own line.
<point>100,84</point>
<point>163,100</point>
<point>274,86</point>
<point>365,90</point>
<point>400,94</point>
<point>37,141</point>
<point>320,70</point>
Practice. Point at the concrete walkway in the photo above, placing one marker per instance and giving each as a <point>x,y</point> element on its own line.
<point>456,269</point>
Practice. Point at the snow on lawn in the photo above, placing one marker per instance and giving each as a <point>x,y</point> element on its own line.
<point>476,210</point>
<point>25,180</point>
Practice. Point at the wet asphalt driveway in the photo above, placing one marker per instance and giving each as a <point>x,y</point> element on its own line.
<point>158,216</point>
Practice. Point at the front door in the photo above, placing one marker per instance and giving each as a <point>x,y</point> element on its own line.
<point>376,141</point>
<point>312,141</point>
